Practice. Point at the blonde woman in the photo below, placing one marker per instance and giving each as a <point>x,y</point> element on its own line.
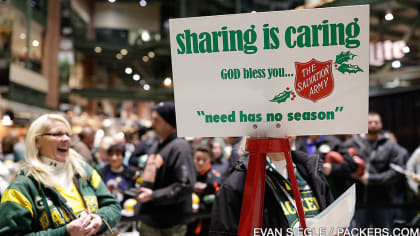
<point>55,193</point>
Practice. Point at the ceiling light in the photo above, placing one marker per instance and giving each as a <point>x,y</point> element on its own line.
<point>145,58</point>
<point>128,70</point>
<point>389,16</point>
<point>146,87</point>
<point>98,49</point>
<point>167,82</point>
<point>136,77</point>
<point>142,82</point>
<point>406,49</point>
<point>145,36</point>
<point>6,121</point>
<point>123,51</point>
<point>143,3</point>
<point>22,36</point>
<point>151,54</point>
<point>111,1</point>
<point>396,64</point>
<point>35,43</point>
<point>119,56</point>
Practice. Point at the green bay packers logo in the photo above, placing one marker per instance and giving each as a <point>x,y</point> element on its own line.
<point>39,203</point>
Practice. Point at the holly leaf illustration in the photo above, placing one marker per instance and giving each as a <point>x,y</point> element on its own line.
<point>349,68</point>
<point>344,57</point>
<point>281,97</point>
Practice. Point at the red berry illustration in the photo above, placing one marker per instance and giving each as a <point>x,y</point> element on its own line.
<point>287,88</point>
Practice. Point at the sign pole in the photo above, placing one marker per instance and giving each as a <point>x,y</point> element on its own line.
<point>295,188</point>
<point>253,199</point>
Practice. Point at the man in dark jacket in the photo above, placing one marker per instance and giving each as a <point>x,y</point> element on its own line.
<point>374,188</point>
<point>168,180</point>
<point>279,212</point>
<point>337,171</point>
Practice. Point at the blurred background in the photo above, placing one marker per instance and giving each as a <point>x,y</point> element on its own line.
<point>107,59</point>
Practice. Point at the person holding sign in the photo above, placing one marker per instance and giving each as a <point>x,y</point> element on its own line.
<point>279,207</point>
<point>168,179</point>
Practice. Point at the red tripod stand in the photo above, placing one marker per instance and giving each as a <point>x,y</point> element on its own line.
<point>253,199</point>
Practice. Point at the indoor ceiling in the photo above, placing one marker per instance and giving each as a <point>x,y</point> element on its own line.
<point>404,26</point>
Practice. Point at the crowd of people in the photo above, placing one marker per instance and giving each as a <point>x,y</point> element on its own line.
<point>85,183</point>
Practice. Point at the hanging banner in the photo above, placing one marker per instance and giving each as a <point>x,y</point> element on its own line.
<point>272,74</point>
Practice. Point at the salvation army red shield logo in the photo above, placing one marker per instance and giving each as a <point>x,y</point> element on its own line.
<point>314,79</point>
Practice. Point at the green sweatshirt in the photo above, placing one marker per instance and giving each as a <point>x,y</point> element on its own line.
<point>22,210</point>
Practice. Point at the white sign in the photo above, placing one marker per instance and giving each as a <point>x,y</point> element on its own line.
<point>272,74</point>
<point>336,218</point>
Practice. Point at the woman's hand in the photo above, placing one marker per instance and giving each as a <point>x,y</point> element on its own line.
<point>95,224</point>
<point>78,227</point>
<point>86,225</point>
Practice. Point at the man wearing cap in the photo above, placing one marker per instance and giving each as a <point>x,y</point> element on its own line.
<point>168,180</point>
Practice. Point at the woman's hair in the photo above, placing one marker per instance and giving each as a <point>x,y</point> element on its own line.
<point>33,163</point>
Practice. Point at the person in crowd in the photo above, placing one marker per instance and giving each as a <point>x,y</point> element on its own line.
<point>413,165</point>
<point>168,180</point>
<point>87,136</point>
<point>338,164</point>
<point>7,147</point>
<point>55,193</point>
<point>7,172</point>
<point>132,140</point>
<point>139,156</point>
<point>102,152</point>
<point>208,181</point>
<point>313,187</point>
<point>20,147</point>
<point>83,144</point>
<point>234,156</point>
<point>117,177</point>
<point>400,187</point>
<point>219,161</point>
<point>196,141</point>
<point>374,187</point>
<point>9,161</point>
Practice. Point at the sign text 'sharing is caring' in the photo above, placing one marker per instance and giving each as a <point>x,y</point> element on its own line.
<point>272,74</point>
